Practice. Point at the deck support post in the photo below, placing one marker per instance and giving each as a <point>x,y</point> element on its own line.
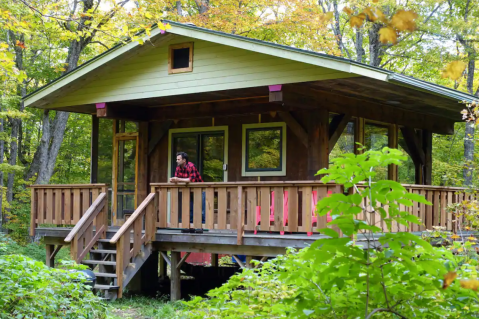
<point>175,292</point>
<point>248,262</point>
<point>214,260</point>
<point>51,252</point>
<point>393,143</point>
<point>427,148</point>
<point>162,266</point>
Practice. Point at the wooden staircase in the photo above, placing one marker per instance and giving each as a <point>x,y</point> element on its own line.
<point>114,261</point>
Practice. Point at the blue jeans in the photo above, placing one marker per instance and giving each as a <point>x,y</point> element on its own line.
<point>203,204</point>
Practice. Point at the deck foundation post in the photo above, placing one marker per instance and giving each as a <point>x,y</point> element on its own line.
<point>175,292</point>
<point>248,262</point>
<point>162,267</point>
<point>214,260</point>
<point>50,257</point>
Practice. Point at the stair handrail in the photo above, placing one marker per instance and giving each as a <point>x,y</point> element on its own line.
<point>124,252</point>
<point>84,228</point>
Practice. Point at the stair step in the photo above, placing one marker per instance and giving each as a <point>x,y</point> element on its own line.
<point>103,251</point>
<point>105,274</point>
<point>99,262</point>
<point>104,241</point>
<point>105,287</point>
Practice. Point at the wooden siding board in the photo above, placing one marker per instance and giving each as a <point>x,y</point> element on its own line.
<point>213,66</point>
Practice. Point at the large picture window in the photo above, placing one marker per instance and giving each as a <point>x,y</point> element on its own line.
<point>264,149</point>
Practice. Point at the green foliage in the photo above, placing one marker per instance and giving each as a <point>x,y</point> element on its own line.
<point>141,307</point>
<point>32,290</point>
<point>35,251</point>
<point>399,275</point>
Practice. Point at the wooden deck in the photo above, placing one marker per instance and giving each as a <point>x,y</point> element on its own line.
<point>256,219</point>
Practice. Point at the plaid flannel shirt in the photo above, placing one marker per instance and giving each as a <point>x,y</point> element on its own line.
<point>189,171</point>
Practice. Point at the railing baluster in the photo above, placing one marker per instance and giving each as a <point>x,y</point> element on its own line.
<point>265,207</point>
<point>233,207</point>
<point>209,208</point>
<point>197,222</point>
<point>222,201</point>
<point>292,221</point>
<point>306,213</point>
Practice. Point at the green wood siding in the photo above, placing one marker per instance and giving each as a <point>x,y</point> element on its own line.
<point>215,67</point>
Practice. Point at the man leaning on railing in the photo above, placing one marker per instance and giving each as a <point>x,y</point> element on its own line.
<point>186,172</point>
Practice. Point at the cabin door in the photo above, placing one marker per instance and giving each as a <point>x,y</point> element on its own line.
<point>125,173</point>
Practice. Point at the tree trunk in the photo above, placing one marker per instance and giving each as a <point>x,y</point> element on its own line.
<point>2,150</point>
<point>16,122</point>
<point>179,10</point>
<point>359,45</point>
<point>203,5</point>
<point>374,45</point>
<point>470,127</point>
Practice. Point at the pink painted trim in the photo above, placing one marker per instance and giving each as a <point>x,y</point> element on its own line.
<point>275,88</point>
<point>100,105</point>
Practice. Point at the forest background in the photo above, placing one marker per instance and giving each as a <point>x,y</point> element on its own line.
<point>42,39</point>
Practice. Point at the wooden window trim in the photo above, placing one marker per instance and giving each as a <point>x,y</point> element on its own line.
<point>170,57</point>
<point>244,171</point>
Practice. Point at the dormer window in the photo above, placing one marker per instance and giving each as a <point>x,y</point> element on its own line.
<point>180,58</point>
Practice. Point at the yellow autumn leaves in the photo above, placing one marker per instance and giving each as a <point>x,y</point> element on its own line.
<point>466,284</point>
<point>454,70</point>
<point>401,21</point>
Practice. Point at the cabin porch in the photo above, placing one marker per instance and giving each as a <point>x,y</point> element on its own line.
<point>241,218</point>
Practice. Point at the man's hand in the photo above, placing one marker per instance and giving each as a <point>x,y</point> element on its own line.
<point>174,180</point>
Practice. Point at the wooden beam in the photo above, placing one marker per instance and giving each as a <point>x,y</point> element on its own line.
<point>213,109</point>
<point>393,143</point>
<point>142,182</point>
<point>157,133</point>
<point>413,144</point>
<point>50,258</point>
<point>263,259</point>
<point>359,134</point>
<point>427,148</point>
<point>295,127</point>
<point>165,258</point>
<point>175,292</point>
<point>55,252</point>
<point>305,97</point>
<point>123,112</point>
<point>95,127</point>
<point>162,266</point>
<point>240,263</point>
<point>180,263</point>
<point>336,128</point>
<point>318,142</point>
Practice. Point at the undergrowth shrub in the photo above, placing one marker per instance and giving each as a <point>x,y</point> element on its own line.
<point>29,289</point>
<point>364,273</point>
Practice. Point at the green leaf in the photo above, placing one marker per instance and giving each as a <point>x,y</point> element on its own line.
<point>329,232</point>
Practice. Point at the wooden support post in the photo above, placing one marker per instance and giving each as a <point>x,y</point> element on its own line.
<point>318,141</point>
<point>240,263</point>
<point>248,262</point>
<point>175,292</point>
<point>142,187</point>
<point>427,148</point>
<point>358,134</point>
<point>393,143</point>
<point>214,260</point>
<point>240,222</point>
<point>95,126</point>
<point>420,164</point>
<point>50,256</point>
<point>162,266</point>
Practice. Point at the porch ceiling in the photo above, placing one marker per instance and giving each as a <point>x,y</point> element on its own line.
<point>361,96</point>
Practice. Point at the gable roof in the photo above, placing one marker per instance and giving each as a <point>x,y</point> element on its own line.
<point>268,48</point>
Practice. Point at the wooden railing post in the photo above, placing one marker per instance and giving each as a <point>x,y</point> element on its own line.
<point>240,223</point>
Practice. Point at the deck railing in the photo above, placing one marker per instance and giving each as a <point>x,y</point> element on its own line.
<point>291,211</point>
<point>84,235</point>
<point>133,236</point>
<point>62,204</point>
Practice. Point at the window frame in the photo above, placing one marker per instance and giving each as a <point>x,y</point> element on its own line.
<point>205,129</point>
<point>172,47</point>
<point>244,152</point>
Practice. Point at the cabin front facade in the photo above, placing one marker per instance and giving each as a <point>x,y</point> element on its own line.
<point>257,119</point>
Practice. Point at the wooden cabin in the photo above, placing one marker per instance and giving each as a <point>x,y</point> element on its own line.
<point>257,119</point>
